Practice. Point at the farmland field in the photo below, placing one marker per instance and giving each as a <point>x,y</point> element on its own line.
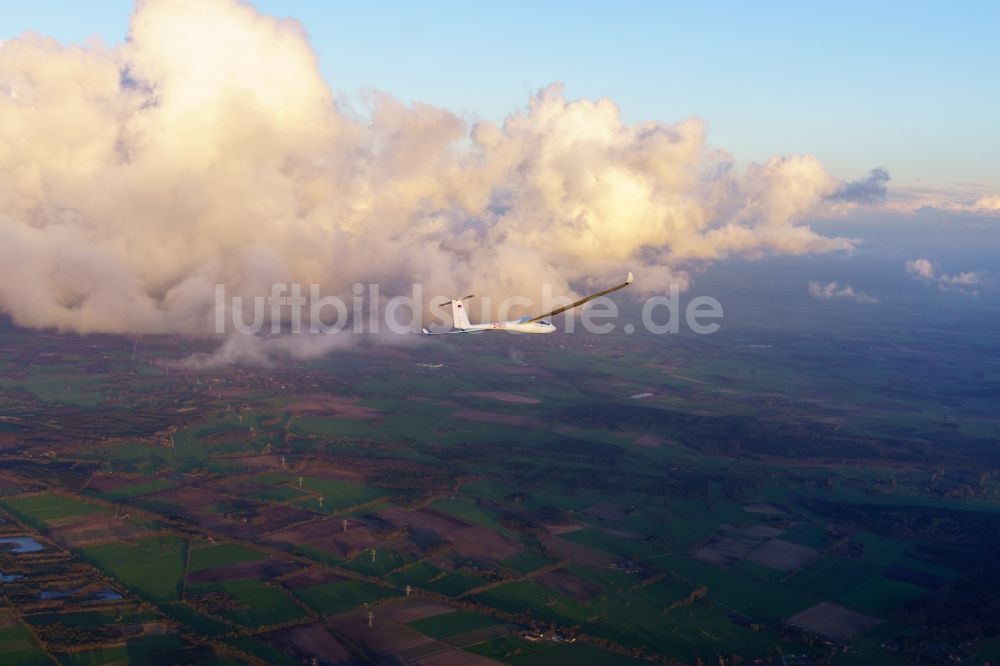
<point>766,491</point>
<point>153,567</point>
<point>334,598</point>
<point>18,648</point>
<point>336,495</point>
<point>139,650</point>
<point>524,653</point>
<point>214,556</point>
<point>528,561</point>
<point>136,489</point>
<point>251,603</point>
<point>450,624</point>
<point>50,509</point>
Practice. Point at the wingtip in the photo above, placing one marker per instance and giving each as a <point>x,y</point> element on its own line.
<point>629,280</point>
<point>425,331</point>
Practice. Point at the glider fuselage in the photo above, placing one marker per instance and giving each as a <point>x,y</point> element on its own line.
<point>514,326</point>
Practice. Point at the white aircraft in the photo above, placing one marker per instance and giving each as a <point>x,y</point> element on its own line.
<point>539,324</point>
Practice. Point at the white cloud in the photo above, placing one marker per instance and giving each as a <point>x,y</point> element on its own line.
<point>832,290</point>
<point>970,198</point>
<point>989,204</point>
<point>920,268</point>
<point>208,149</point>
<point>923,269</point>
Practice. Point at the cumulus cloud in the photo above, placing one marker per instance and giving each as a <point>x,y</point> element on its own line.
<point>868,191</point>
<point>832,290</point>
<point>985,205</point>
<point>968,199</point>
<point>923,269</point>
<point>208,149</point>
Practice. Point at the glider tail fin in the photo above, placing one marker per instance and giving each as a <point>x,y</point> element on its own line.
<point>459,314</point>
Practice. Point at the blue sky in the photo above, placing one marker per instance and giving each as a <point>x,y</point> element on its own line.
<point>910,86</point>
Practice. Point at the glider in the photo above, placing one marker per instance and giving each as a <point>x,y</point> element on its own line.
<point>539,324</point>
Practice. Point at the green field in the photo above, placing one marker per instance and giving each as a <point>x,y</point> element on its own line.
<point>527,561</point>
<point>153,567</point>
<point>536,600</point>
<point>337,495</point>
<point>509,648</point>
<point>833,576</point>
<point>807,535</point>
<point>320,555</point>
<point>93,618</point>
<point>60,388</point>
<point>758,571</point>
<point>341,596</point>
<point>255,603</point>
<point>50,509</point>
<point>454,583</point>
<point>18,648</point>
<point>385,561</point>
<point>451,624</point>
<point>695,629</point>
<point>144,458</point>
<point>614,544</point>
<point>418,574</point>
<point>196,620</point>
<point>758,599</point>
<point>277,494</point>
<point>218,555</point>
<point>521,652</point>
<point>762,601</point>
<point>262,651</point>
<point>879,596</point>
<point>143,650</point>
<point>274,478</point>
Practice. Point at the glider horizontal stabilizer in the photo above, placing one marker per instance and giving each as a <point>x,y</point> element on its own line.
<point>455,300</point>
<point>426,332</point>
